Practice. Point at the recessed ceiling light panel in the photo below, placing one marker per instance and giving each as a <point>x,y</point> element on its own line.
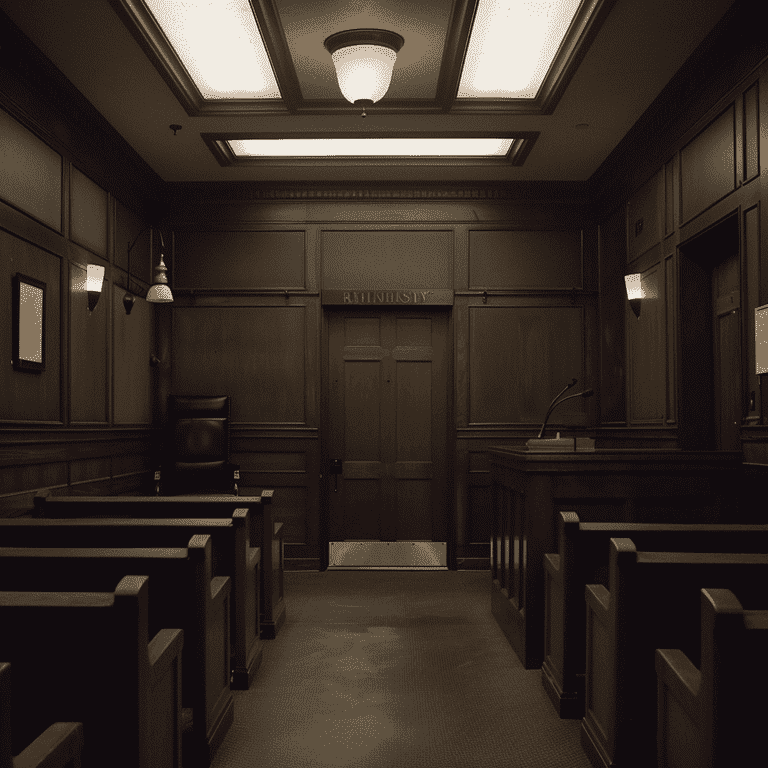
<point>219,43</point>
<point>362,147</point>
<point>512,46</point>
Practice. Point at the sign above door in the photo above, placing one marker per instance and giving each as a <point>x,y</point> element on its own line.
<point>400,297</point>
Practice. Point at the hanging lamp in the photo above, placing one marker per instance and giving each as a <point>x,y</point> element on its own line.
<point>364,59</point>
<point>159,292</point>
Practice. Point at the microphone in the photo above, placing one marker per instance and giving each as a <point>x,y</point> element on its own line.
<point>556,402</point>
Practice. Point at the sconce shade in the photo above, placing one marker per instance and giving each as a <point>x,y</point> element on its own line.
<point>93,282</point>
<point>364,59</point>
<point>635,294</point>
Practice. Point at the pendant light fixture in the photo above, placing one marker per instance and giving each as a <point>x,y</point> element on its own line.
<point>159,292</point>
<point>364,59</point>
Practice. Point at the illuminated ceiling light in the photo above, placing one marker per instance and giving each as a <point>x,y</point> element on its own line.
<point>365,147</point>
<point>512,46</point>
<point>220,45</point>
<point>364,59</point>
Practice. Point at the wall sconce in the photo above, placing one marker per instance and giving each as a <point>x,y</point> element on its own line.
<point>159,292</point>
<point>634,284</point>
<point>93,282</point>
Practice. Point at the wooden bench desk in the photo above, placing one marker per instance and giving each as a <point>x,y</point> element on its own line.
<point>183,594</point>
<point>264,532</point>
<point>715,716</point>
<point>583,558</point>
<point>85,657</point>
<point>59,746</point>
<point>654,602</point>
<point>231,556</point>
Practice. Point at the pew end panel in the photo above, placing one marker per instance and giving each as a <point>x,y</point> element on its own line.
<point>654,602</point>
<point>263,532</point>
<point>561,619</point>
<point>59,746</point>
<point>715,715</point>
<point>183,593</point>
<point>232,554</point>
<point>102,671</point>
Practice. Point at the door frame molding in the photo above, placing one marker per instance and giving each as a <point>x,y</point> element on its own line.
<point>450,447</point>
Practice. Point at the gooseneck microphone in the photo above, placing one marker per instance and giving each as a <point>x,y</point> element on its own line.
<point>557,401</point>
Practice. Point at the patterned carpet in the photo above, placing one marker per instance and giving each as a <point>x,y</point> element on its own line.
<point>395,669</point>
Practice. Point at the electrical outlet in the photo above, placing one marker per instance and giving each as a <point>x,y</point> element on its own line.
<point>638,227</point>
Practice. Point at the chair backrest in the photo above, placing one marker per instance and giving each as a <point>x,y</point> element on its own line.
<point>199,429</point>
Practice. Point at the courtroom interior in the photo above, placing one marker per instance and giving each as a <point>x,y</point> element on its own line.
<point>376,396</point>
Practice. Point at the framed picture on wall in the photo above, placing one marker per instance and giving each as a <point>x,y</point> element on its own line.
<point>28,344</point>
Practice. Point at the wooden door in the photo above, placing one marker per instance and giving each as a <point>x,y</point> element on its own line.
<point>387,424</point>
<point>727,354</point>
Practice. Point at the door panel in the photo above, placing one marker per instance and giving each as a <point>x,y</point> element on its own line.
<point>388,411</point>
<point>727,354</point>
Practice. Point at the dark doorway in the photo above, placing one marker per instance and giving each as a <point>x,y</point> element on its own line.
<point>386,425</point>
<point>711,390</point>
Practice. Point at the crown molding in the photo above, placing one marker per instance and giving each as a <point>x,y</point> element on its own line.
<point>522,191</point>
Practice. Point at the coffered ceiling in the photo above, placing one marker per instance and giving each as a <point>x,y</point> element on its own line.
<point>598,88</point>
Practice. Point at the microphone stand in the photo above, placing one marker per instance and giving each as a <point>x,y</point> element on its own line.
<point>556,402</point>
<point>552,405</point>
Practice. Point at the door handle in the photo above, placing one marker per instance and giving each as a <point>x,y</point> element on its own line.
<point>336,470</point>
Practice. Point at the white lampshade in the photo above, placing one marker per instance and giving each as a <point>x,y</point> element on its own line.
<point>94,278</point>
<point>159,292</point>
<point>634,286</point>
<point>364,59</point>
<point>364,71</point>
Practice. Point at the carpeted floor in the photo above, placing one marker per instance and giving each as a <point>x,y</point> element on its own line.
<point>395,669</point>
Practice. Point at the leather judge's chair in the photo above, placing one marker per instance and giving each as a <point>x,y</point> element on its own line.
<point>198,447</point>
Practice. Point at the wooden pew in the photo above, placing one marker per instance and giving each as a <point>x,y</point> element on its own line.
<point>583,559</point>
<point>715,717</point>
<point>85,657</point>
<point>183,593</point>
<point>653,602</point>
<point>265,533</point>
<point>232,556</point>
<point>59,746</point>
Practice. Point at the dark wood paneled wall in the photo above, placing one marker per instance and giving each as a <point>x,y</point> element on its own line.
<point>250,263</point>
<point>75,194</point>
<point>681,190</point>
<point>521,326</point>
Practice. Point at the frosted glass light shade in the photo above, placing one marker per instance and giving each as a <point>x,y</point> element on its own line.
<point>364,71</point>
<point>634,286</point>
<point>364,59</point>
<point>94,278</point>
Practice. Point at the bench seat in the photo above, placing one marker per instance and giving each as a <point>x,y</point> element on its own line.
<point>582,558</point>
<point>653,602</point>
<point>232,556</point>
<point>264,532</point>
<point>59,746</point>
<point>183,594</point>
<point>715,716</point>
<point>85,657</point>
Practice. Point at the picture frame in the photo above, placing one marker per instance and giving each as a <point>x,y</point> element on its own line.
<point>28,326</point>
